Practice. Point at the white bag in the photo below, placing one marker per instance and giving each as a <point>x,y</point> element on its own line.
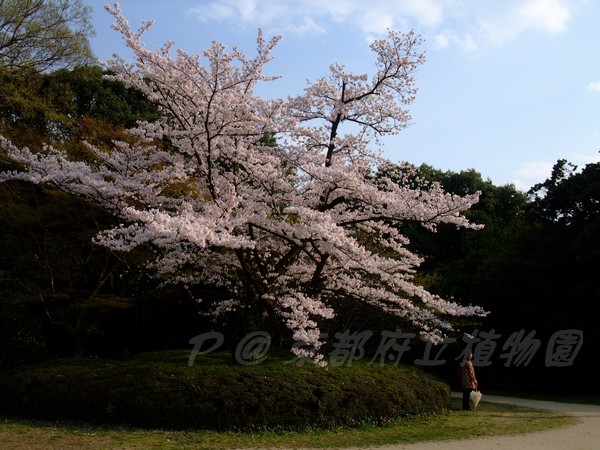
<point>475,398</point>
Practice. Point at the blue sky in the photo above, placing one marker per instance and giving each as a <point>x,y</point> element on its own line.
<point>508,88</point>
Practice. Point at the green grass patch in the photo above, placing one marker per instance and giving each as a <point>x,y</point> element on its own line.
<point>489,419</point>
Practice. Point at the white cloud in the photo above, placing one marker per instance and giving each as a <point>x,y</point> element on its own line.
<point>376,22</point>
<point>308,26</point>
<point>497,23</point>
<point>308,16</point>
<point>531,173</point>
<point>501,26</point>
<point>248,11</point>
<point>212,12</point>
<point>466,24</point>
<point>426,12</point>
<point>448,38</point>
<point>581,159</point>
<point>365,15</point>
<point>595,86</point>
<point>441,40</point>
<point>546,15</point>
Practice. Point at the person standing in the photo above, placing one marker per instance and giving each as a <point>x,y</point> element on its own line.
<point>468,381</point>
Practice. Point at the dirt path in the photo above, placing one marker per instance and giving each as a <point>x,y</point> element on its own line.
<point>585,435</point>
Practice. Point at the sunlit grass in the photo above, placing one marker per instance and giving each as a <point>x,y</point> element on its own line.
<point>489,419</point>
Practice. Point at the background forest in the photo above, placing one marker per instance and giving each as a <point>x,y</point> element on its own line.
<point>534,266</point>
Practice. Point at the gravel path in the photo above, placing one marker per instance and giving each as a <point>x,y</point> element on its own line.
<point>585,435</point>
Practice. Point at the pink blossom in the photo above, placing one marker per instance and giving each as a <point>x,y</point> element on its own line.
<point>283,226</point>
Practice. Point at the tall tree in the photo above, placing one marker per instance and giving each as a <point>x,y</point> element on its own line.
<point>281,230</point>
<point>457,259</point>
<point>41,35</point>
<point>568,196</point>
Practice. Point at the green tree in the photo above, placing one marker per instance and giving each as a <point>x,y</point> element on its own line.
<point>544,278</point>
<point>35,108</point>
<point>454,258</point>
<point>96,96</point>
<point>41,35</point>
<point>567,196</point>
<point>68,105</point>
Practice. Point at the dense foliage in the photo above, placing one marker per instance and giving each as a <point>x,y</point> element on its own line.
<point>534,266</point>
<point>39,35</point>
<point>160,390</point>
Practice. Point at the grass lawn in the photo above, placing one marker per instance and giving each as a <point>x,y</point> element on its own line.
<point>489,419</point>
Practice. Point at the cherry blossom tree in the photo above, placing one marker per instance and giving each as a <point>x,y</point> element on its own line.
<point>279,229</point>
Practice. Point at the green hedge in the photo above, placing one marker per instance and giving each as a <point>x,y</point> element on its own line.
<point>160,390</point>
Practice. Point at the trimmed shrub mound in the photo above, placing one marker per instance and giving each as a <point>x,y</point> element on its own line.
<point>160,390</point>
